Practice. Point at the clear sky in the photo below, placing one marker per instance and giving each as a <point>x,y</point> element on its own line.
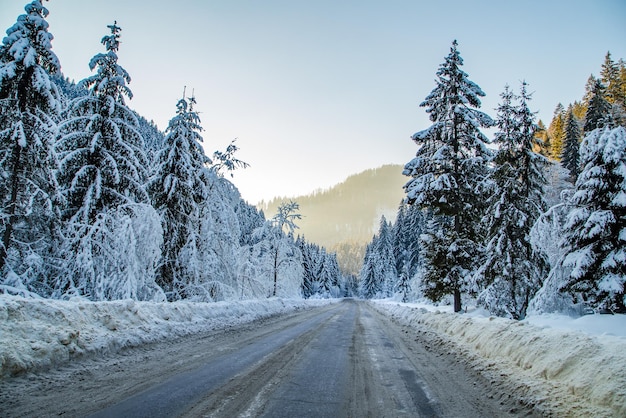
<point>317,90</point>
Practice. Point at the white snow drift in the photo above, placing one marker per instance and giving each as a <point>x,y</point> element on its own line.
<point>39,333</point>
<point>553,362</point>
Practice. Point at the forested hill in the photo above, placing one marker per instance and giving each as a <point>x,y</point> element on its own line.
<point>345,217</point>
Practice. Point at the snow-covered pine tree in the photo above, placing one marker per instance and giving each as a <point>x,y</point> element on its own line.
<point>369,285</point>
<point>29,111</point>
<point>569,158</point>
<point>386,268</point>
<point>404,286</point>
<point>102,174</point>
<point>450,164</point>
<point>308,266</point>
<point>596,226</point>
<point>512,272</point>
<point>177,192</point>
<point>249,219</point>
<point>410,223</point>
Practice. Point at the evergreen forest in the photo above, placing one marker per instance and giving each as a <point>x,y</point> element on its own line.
<point>98,204</point>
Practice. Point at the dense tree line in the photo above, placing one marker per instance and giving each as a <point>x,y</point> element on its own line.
<point>475,222</point>
<point>98,204</point>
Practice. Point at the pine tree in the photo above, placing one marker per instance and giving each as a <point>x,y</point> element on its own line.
<point>589,87</point>
<point>449,165</point>
<point>410,223</point>
<point>610,77</point>
<point>386,268</point>
<point>598,109</point>
<point>369,285</point>
<point>542,138</point>
<point>512,272</point>
<point>308,277</point>
<point>404,286</point>
<point>556,132</point>
<point>596,226</point>
<point>177,191</point>
<point>29,110</point>
<point>569,158</point>
<point>622,80</point>
<point>102,174</point>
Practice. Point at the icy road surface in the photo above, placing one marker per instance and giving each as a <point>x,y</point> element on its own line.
<point>339,360</point>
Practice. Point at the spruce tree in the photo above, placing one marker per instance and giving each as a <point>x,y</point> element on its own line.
<point>102,174</point>
<point>386,268</point>
<point>596,226</point>
<point>369,284</point>
<point>449,166</point>
<point>598,109</point>
<point>556,132</point>
<point>410,223</point>
<point>308,267</point>
<point>610,77</point>
<point>29,110</point>
<point>177,191</point>
<point>569,158</point>
<point>511,272</point>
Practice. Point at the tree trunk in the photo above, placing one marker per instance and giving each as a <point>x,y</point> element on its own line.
<point>457,300</point>
<point>275,271</point>
<point>8,231</point>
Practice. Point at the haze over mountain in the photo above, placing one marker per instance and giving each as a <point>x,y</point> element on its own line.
<point>344,217</point>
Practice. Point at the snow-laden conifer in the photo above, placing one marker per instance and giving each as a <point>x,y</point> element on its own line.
<point>178,190</point>
<point>596,226</point>
<point>450,165</point>
<point>29,110</point>
<point>102,173</point>
<point>569,158</point>
<point>406,231</point>
<point>598,109</point>
<point>369,284</point>
<point>512,272</point>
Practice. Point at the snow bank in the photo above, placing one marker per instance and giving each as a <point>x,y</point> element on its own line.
<point>39,333</point>
<point>555,365</point>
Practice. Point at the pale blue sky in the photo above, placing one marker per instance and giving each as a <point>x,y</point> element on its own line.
<point>318,90</point>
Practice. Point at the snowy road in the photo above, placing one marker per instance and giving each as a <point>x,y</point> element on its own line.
<point>339,360</point>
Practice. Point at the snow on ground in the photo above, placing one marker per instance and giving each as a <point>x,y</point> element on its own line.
<point>574,366</point>
<point>38,333</point>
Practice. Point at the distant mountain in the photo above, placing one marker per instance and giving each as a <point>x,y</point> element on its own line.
<point>344,217</point>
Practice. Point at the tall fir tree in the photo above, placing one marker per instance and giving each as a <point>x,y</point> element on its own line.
<point>512,272</point>
<point>622,80</point>
<point>177,191</point>
<point>386,268</point>
<point>369,284</point>
<point>446,173</point>
<point>29,111</point>
<point>569,158</point>
<point>610,77</point>
<point>102,174</point>
<point>410,222</point>
<point>595,231</point>
<point>598,109</point>
<point>556,132</point>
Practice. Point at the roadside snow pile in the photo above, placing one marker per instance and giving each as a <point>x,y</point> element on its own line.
<point>551,362</point>
<point>38,333</point>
